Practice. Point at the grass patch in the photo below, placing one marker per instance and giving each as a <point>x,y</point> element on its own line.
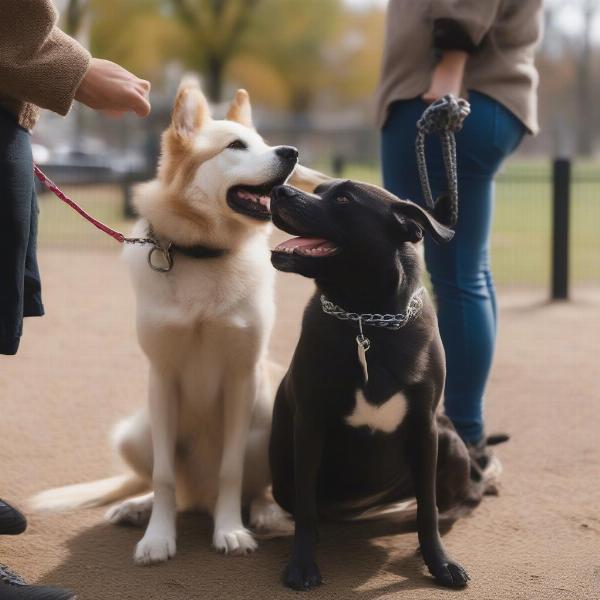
<point>61,226</point>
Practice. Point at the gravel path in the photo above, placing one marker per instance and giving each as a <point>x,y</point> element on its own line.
<point>79,370</point>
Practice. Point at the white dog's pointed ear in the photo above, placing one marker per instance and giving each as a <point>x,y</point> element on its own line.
<point>240,109</point>
<point>190,110</point>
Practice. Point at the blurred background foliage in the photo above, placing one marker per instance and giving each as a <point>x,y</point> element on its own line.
<point>301,56</point>
<point>285,52</point>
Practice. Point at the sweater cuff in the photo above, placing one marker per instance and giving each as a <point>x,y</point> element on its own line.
<point>450,35</point>
<point>71,66</point>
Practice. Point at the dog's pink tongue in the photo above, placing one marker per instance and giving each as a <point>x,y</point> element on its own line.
<point>299,242</point>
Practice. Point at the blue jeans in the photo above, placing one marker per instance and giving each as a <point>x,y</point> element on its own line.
<point>460,270</point>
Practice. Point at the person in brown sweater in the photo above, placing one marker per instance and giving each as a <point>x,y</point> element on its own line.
<point>40,67</point>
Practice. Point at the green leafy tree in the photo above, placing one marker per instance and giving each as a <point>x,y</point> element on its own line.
<point>291,54</point>
<point>294,38</point>
<point>217,31</point>
<point>141,35</point>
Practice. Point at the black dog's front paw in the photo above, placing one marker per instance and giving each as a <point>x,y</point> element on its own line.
<point>302,575</point>
<point>450,574</point>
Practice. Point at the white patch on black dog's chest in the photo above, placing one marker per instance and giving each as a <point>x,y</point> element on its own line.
<point>385,417</point>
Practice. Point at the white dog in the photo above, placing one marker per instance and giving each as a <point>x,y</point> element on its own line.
<point>204,326</point>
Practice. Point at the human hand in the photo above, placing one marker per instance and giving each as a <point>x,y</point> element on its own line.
<point>111,88</point>
<point>447,76</point>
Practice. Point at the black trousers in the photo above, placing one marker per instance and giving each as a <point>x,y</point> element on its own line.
<point>20,286</point>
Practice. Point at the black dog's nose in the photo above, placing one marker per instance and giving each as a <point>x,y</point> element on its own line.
<point>287,152</point>
<point>281,192</point>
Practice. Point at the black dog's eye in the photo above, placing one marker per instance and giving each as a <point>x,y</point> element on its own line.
<point>343,200</point>
<point>238,145</point>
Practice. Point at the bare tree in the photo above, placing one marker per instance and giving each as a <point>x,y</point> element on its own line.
<point>74,20</point>
<point>74,15</point>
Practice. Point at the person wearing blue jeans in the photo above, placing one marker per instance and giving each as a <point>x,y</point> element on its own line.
<point>460,270</point>
<point>482,51</point>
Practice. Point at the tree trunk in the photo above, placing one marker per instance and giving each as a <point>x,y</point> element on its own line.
<point>74,15</point>
<point>584,86</point>
<point>300,102</point>
<point>215,69</point>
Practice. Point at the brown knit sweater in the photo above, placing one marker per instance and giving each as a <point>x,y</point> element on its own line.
<point>40,66</point>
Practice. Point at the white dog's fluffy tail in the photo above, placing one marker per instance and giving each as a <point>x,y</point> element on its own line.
<point>87,495</point>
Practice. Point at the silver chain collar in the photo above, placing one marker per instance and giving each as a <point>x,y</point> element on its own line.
<point>387,321</point>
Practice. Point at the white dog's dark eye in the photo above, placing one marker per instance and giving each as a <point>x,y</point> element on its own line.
<point>238,145</point>
<point>343,200</point>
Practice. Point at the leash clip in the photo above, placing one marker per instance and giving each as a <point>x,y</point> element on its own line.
<point>167,258</point>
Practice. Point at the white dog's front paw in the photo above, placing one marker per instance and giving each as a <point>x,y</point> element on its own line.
<point>154,549</point>
<point>131,512</point>
<point>236,540</point>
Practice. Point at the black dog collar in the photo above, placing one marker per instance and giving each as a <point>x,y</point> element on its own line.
<point>167,251</point>
<point>199,251</point>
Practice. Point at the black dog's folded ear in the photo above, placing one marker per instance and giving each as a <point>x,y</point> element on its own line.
<point>324,187</point>
<point>406,211</point>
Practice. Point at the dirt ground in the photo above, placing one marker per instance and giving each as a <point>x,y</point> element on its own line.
<point>79,370</point>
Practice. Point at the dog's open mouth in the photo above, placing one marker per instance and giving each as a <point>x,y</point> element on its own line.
<point>312,247</point>
<point>252,201</point>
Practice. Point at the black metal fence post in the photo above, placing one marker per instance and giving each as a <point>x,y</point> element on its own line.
<point>127,187</point>
<point>561,186</point>
<point>338,164</point>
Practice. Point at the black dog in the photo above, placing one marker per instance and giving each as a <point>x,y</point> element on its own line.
<point>355,426</point>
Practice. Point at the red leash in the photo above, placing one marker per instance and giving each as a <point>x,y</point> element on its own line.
<point>166,250</point>
<point>50,185</point>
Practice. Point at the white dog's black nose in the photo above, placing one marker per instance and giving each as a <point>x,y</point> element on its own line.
<point>287,152</point>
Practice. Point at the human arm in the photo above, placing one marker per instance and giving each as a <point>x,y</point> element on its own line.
<point>109,87</point>
<point>39,63</point>
<point>459,27</point>
<point>447,75</point>
<point>42,65</point>
<point>462,24</point>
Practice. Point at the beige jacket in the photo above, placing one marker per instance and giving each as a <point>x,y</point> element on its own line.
<point>40,66</point>
<point>500,36</point>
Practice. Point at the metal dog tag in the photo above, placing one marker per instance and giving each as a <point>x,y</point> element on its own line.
<point>363,345</point>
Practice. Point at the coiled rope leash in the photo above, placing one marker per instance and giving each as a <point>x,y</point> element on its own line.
<point>445,117</point>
